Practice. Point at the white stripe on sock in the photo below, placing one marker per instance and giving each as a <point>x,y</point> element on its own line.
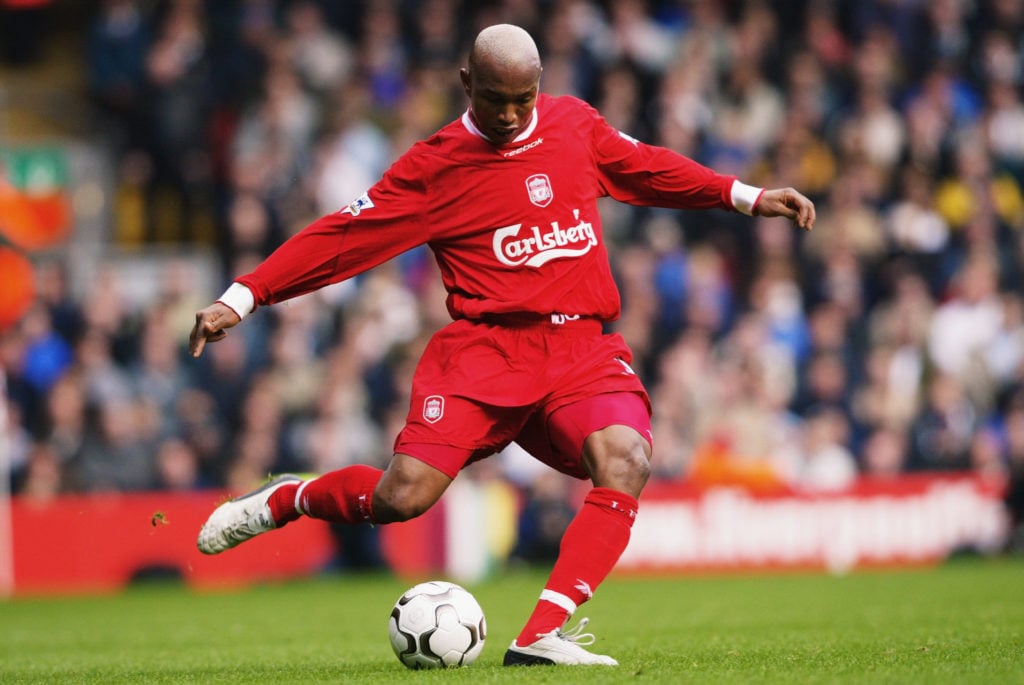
<point>559,599</point>
<point>298,495</point>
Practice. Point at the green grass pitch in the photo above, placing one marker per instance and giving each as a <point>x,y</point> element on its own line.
<point>960,623</point>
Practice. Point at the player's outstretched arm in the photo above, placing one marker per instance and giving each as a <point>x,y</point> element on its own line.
<point>211,325</point>
<point>788,203</point>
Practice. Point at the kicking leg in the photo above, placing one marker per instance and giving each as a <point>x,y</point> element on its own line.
<point>355,494</point>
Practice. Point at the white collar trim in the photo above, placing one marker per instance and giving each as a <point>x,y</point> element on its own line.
<point>467,121</point>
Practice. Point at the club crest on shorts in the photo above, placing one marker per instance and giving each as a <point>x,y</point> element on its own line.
<point>539,188</point>
<point>433,408</point>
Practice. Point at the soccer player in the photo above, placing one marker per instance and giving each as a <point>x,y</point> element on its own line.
<point>506,198</point>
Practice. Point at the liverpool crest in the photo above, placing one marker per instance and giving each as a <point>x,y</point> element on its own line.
<point>433,408</point>
<point>539,188</point>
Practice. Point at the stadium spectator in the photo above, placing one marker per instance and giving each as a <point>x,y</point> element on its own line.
<point>943,431</point>
<point>967,323</point>
<point>177,466</point>
<point>116,56</point>
<point>199,424</point>
<point>157,377</point>
<point>1011,428</point>
<point>825,463</point>
<point>66,418</point>
<point>545,516</point>
<point>1003,119</point>
<point>321,57</point>
<point>177,71</point>
<point>912,224</point>
<point>823,382</point>
<point>884,453</point>
<point>686,371</point>
<point>1004,354</point>
<point>118,448</point>
<point>353,152</point>
<point>986,456</point>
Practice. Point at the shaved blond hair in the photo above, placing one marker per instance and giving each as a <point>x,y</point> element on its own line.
<point>506,47</point>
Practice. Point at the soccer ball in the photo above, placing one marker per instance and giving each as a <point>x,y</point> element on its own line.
<point>437,624</point>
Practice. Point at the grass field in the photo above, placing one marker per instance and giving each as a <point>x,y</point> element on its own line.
<point>960,623</point>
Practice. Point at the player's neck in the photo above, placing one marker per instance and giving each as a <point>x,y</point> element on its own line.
<point>523,134</point>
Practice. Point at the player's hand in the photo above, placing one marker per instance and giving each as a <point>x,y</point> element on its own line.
<point>211,325</point>
<point>788,203</point>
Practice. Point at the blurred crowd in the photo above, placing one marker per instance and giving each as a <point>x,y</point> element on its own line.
<point>888,340</point>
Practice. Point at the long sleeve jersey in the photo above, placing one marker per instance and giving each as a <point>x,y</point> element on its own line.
<point>514,228</point>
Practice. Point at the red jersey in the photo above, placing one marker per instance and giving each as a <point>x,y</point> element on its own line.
<point>514,229</point>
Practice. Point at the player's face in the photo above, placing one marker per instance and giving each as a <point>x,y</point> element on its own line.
<point>502,100</point>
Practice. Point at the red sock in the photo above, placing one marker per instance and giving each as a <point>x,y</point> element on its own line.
<point>591,546</point>
<point>342,496</point>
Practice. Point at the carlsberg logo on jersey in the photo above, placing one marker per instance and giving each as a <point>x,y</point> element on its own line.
<point>536,248</point>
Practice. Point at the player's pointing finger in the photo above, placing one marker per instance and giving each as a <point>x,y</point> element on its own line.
<point>210,326</point>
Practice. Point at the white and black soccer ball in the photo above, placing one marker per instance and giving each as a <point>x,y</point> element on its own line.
<point>436,625</point>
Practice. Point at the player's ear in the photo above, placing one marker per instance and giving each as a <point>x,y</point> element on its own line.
<point>466,81</point>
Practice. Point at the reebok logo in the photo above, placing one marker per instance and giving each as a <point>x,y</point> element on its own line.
<point>584,587</point>
<point>520,150</point>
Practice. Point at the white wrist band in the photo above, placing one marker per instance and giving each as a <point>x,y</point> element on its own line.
<point>239,298</point>
<point>745,197</point>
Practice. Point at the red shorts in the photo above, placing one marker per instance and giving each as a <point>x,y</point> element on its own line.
<point>545,385</point>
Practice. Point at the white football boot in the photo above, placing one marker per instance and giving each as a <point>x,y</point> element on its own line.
<point>244,517</point>
<point>558,647</point>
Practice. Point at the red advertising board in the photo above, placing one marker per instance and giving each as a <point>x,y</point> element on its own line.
<point>95,543</point>
<point>914,519</point>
